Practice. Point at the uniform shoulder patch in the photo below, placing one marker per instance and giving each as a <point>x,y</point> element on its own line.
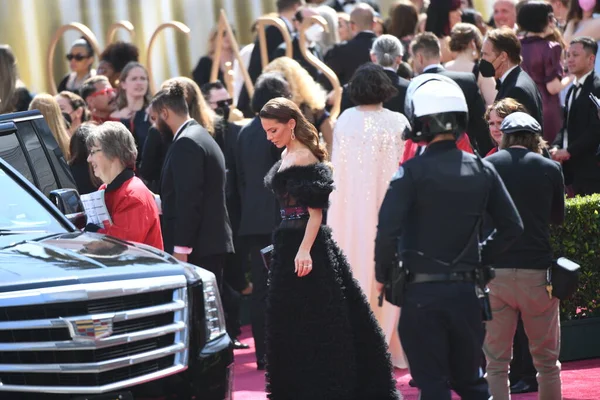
<point>399,174</point>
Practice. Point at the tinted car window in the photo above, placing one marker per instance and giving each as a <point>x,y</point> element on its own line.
<point>39,160</point>
<point>61,167</point>
<point>11,152</point>
<point>22,212</point>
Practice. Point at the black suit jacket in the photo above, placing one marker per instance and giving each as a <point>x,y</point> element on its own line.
<point>226,135</point>
<point>582,127</point>
<point>519,86</point>
<point>396,103</point>
<point>297,55</point>
<point>193,195</point>
<point>478,130</point>
<point>274,39</point>
<point>345,58</point>
<point>254,157</point>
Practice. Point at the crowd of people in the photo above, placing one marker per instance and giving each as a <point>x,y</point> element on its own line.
<point>228,190</point>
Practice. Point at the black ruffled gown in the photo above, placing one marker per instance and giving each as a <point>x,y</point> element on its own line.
<point>322,340</point>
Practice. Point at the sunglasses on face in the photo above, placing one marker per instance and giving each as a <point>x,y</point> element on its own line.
<point>107,91</point>
<point>223,103</point>
<point>76,57</point>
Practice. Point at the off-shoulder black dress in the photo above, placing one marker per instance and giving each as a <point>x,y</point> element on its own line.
<point>322,340</point>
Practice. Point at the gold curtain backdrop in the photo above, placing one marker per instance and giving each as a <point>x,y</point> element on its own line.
<point>29,25</point>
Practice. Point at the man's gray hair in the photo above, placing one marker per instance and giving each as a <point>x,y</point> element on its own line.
<point>386,49</point>
<point>116,141</point>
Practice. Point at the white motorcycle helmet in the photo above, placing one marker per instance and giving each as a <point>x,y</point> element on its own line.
<point>434,105</point>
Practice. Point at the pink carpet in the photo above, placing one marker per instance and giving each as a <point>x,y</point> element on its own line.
<point>581,379</point>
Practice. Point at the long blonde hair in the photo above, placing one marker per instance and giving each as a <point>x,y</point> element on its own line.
<point>8,78</point>
<point>50,109</point>
<point>282,110</point>
<point>199,110</point>
<point>305,91</point>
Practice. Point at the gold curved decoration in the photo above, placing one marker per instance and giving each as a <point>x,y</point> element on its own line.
<point>112,30</point>
<point>224,27</point>
<point>318,64</point>
<point>85,32</point>
<point>181,27</point>
<point>261,24</point>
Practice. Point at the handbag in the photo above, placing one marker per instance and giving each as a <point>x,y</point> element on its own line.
<point>564,278</point>
<point>267,255</point>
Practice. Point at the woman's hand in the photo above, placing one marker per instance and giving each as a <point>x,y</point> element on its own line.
<point>303,263</point>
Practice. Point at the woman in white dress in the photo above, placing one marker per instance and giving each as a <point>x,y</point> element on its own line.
<point>367,147</point>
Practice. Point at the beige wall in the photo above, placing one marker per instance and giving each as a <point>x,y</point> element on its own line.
<point>29,25</point>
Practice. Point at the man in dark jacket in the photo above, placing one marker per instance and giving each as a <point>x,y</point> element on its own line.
<point>427,55</point>
<point>387,51</point>
<point>196,223</point>
<point>345,58</point>
<point>254,157</point>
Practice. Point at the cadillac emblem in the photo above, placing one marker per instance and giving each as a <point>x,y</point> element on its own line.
<point>90,329</point>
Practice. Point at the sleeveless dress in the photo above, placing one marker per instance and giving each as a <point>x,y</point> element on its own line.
<point>322,340</point>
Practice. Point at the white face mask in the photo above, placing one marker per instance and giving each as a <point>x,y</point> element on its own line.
<point>314,33</point>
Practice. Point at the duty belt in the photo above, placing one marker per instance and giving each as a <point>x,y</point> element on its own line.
<point>444,277</point>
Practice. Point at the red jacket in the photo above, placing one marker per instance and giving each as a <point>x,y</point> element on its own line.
<point>492,151</point>
<point>133,211</point>
<point>410,148</point>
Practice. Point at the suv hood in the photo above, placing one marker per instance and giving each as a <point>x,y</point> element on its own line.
<point>73,258</point>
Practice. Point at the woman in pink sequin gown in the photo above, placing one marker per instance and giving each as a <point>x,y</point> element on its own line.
<point>367,147</point>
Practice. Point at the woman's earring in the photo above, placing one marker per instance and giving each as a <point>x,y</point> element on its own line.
<point>292,135</point>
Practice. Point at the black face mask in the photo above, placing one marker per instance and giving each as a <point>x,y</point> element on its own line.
<point>223,111</point>
<point>486,69</point>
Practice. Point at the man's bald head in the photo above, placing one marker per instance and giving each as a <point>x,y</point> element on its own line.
<point>362,18</point>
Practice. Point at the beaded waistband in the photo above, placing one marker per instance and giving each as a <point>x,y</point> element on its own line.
<point>292,213</point>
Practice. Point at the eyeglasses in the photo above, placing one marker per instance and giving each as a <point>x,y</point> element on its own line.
<point>76,57</point>
<point>92,152</point>
<point>107,91</point>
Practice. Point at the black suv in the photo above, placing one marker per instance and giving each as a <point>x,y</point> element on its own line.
<point>88,316</point>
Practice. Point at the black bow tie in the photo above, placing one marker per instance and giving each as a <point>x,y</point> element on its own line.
<point>498,84</point>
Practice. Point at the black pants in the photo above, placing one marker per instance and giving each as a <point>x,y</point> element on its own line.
<point>214,263</point>
<point>232,301</point>
<point>442,334</point>
<point>252,246</point>
<point>521,366</point>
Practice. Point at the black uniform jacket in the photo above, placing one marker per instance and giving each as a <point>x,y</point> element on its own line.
<point>433,205</point>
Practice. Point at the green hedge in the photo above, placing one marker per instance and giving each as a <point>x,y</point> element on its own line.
<point>579,240</point>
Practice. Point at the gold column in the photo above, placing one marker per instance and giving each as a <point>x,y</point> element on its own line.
<point>182,44</point>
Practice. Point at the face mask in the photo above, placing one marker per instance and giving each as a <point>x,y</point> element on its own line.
<point>486,69</point>
<point>223,111</point>
<point>587,5</point>
<point>314,33</point>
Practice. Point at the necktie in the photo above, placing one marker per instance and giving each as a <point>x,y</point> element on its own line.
<point>498,84</point>
<point>573,97</point>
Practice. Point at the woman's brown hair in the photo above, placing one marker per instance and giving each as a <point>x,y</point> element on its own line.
<point>504,108</point>
<point>76,103</point>
<point>8,78</point>
<point>461,36</point>
<point>198,109</point>
<point>404,18</point>
<point>283,110</point>
<point>121,96</point>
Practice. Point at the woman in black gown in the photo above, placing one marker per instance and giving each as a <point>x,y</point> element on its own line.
<point>322,340</point>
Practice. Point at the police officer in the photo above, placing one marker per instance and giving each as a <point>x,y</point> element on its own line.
<point>430,218</point>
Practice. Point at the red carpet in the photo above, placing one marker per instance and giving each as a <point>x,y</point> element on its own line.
<point>581,379</point>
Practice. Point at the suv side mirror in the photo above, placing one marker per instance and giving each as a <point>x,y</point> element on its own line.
<point>69,203</point>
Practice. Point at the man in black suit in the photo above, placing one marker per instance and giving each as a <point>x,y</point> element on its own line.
<point>286,10</point>
<point>387,51</point>
<point>196,224</point>
<point>348,5</point>
<point>500,58</point>
<point>426,52</point>
<point>254,157</point>
<point>576,145</point>
<point>345,58</point>
<point>304,12</point>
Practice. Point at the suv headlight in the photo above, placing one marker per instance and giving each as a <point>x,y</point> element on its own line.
<point>213,309</point>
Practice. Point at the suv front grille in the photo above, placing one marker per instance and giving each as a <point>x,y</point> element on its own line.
<point>122,333</point>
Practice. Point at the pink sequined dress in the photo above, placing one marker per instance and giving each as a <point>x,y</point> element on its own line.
<point>367,148</point>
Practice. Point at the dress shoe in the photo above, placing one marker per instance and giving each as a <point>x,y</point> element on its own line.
<point>523,387</point>
<point>237,345</point>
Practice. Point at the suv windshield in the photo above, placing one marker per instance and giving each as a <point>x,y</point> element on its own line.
<point>22,213</point>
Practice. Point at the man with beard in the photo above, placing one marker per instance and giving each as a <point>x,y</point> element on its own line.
<point>100,97</point>
<point>196,225</point>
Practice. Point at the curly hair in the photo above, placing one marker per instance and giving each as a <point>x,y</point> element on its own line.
<point>282,110</point>
<point>305,91</point>
<point>504,108</point>
<point>370,85</point>
<point>118,54</point>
